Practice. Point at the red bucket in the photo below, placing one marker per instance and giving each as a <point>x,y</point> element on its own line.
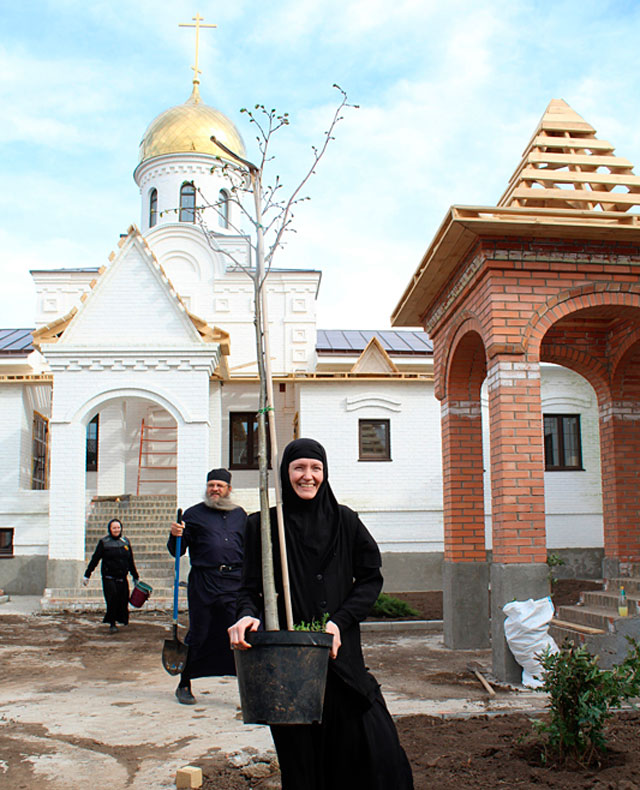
<point>139,594</point>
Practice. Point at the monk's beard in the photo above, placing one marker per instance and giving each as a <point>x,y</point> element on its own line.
<point>219,503</point>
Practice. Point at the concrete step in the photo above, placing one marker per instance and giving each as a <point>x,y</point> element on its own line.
<point>631,586</point>
<point>80,599</point>
<point>594,616</point>
<point>562,631</point>
<point>609,600</point>
<point>140,529</point>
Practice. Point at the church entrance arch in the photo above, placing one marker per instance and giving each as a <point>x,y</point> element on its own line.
<point>135,448</point>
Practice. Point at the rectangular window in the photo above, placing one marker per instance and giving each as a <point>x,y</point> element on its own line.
<point>243,440</point>
<point>93,429</point>
<point>40,452</point>
<point>562,445</point>
<point>6,541</point>
<point>374,440</point>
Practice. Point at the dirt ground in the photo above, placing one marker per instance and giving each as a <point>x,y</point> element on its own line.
<point>78,705</point>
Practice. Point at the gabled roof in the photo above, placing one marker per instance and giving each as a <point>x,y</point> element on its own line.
<point>354,341</point>
<point>565,166</point>
<point>374,359</point>
<point>53,331</point>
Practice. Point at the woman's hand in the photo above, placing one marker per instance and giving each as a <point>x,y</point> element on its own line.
<point>238,630</point>
<point>177,529</point>
<point>85,581</point>
<point>332,628</point>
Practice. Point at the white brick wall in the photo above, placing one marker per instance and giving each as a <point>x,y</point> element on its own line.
<point>111,446</point>
<point>400,500</point>
<point>67,500</point>
<point>573,500</point>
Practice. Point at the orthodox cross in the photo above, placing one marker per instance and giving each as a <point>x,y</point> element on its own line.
<point>198,24</point>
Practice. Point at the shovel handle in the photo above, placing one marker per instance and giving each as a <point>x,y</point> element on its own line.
<point>176,575</point>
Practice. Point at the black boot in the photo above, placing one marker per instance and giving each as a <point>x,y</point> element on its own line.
<point>184,695</point>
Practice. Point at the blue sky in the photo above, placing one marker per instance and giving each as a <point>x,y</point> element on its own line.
<point>449,94</point>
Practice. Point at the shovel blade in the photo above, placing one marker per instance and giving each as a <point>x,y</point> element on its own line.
<point>174,655</point>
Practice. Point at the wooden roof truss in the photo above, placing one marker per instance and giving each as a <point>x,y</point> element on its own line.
<point>565,166</point>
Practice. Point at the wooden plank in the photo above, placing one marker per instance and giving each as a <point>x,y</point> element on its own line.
<point>572,142</point>
<point>573,176</point>
<point>584,629</point>
<point>577,195</point>
<point>567,124</point>
<point>580,159</point>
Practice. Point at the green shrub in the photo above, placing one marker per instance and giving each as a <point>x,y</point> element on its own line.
<point>553,561</point>
<point>388,606</point>
<point>581,698</point>
<point>314,625</point>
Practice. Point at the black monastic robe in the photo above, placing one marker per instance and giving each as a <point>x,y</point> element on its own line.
<point>214,539</point>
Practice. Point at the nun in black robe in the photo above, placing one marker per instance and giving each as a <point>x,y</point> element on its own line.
<point>115,554</point>
<point>334,567</point>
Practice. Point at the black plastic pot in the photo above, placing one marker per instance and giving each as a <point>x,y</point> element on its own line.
<point>282,677</point>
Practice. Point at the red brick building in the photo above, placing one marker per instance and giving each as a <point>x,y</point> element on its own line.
<point>549,275</point>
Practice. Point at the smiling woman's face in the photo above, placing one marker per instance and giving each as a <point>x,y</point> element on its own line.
<point>115,528</point>
<point>306,476</point>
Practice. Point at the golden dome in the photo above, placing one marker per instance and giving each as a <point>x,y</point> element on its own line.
<point>188,128</point>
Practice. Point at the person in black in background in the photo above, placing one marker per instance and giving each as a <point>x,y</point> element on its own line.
<point>115,553</point>
<point>334,568</point>
<point>213,532</point>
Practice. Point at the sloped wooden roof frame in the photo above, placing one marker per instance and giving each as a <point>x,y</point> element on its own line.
<point>553,212</point>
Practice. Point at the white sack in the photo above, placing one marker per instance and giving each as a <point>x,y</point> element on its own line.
<point>526,630</point>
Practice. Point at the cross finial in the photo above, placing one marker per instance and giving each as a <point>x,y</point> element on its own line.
<point>198,24</point>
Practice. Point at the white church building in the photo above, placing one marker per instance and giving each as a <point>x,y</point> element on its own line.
<point>141,375</point>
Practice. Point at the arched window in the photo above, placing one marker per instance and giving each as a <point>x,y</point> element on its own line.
<point>187,202</point>
<point>223,208</point>
<point>153,208</point>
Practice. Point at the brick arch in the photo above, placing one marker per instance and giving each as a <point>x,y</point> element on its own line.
<point>571,301</point>
<point>621,353</point>
<point>625,378</point>
<point>465,364</point>
<point>588,367</point>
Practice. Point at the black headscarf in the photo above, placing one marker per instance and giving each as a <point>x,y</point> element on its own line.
<point>311,524</point>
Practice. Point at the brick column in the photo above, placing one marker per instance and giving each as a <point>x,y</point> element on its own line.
<point>517,480</point>
<point>620,454</point>
<point>465,570</point>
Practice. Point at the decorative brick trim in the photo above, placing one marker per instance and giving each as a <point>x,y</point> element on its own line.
<point>511,374</point>
<point>459,284</point>
<point>472,410</point>
<point>620,410</point>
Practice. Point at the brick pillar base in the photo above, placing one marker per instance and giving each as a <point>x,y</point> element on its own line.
<point>465,599</point>
<point>509,581</point>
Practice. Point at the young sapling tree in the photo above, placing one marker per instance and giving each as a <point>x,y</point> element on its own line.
<point>270,217</point>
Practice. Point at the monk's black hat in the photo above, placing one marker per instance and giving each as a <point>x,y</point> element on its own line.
<point>219,474</point>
